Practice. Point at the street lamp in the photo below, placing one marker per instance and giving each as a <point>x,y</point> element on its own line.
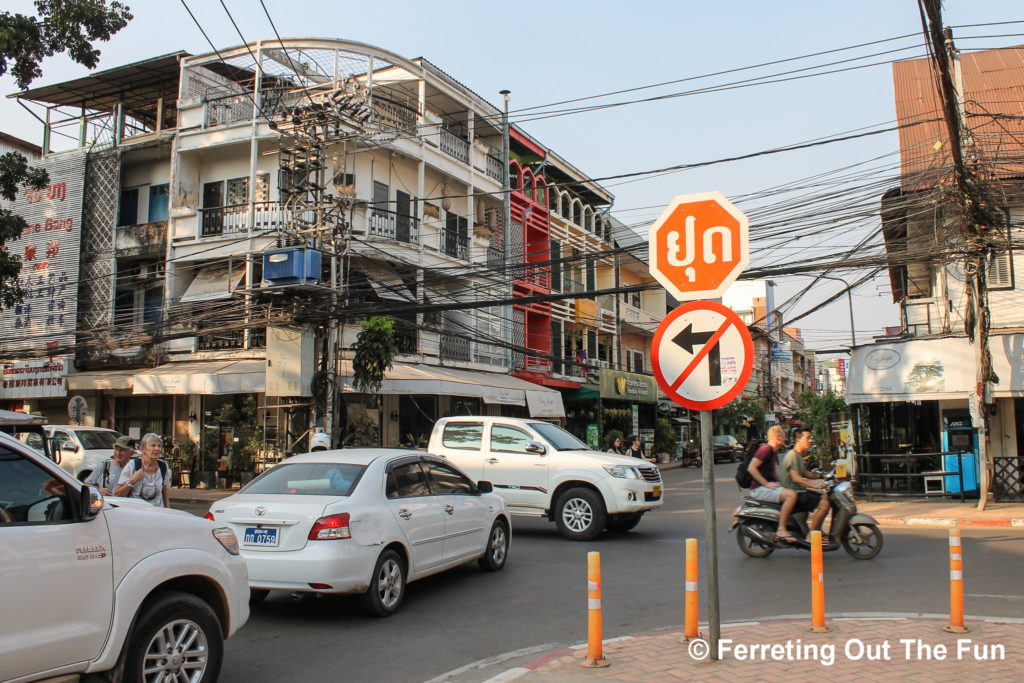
<point>849,300</point>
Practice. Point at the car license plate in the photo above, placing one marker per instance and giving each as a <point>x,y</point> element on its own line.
<point>264,538</point>
<point>656,492</point>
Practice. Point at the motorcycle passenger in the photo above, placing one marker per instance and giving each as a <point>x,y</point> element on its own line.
<point>795,476</point>
<point>766,486</point>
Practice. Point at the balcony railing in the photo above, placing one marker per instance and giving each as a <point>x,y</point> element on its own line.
<point>534,364</point>
<point>494,167</point>
<point>454,244</point>
<point>454,146</point>
<point>394,116</point>
<point>227,110</point>
<point>227,220</point>
<point>454,348</point>
<point>405,339</point>
<point>495,258</point>
<point>393,225</point>
<point>539,276</point>
<point>222,341</point>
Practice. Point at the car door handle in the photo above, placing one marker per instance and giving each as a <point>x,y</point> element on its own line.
<point>492,461</point>
<point>404,513</point>
<point>449,509</point>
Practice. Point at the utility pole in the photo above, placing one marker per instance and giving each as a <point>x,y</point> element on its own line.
<point>506,243</point>
<point>972,225</point>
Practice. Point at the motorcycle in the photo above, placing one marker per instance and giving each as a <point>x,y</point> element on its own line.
<point>690,455</point>
<point>755,522</point>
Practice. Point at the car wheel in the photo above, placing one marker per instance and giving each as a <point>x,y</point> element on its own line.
<point>387,586</point>
<point>257,595</point>
<point>621,523</point>
<point>580,514</point>
<point>176,637</point>
<point>497,548</point>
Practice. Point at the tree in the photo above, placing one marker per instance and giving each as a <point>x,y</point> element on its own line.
<point>735,416</point>
<point>813,410</point>
<point>375,350</point>
<point>70,26</point>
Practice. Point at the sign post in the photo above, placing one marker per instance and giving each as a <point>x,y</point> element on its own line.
<point>702,352</point>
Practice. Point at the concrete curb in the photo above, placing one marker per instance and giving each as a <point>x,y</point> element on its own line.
<point>949,522</point>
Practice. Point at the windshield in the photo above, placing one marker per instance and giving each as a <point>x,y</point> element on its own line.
<point>96,439</point>
<point>308,479</point>
<point>559,439</point>
<point>724,440</point>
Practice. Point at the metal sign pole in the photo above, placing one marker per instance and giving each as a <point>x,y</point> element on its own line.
<point>710,531</point>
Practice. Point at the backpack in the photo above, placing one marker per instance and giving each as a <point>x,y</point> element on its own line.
<point>137,462</point>
<point>743,478</point>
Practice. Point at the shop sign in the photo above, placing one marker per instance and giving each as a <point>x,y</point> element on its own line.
<point>44,378</point>
<point>626,386</point>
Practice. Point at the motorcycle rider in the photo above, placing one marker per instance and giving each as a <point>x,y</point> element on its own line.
<point>766,486</point>
<point>795,476</point>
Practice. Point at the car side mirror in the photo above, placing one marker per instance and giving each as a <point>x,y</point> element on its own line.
<point>536,447</point>
<point>484,487</point>
<point>91,502</point>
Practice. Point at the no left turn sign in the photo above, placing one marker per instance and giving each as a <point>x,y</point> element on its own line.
<point>702,355</point>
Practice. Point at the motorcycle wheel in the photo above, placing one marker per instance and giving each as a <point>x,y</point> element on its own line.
<point>752,547</point>
<point>870,544</point>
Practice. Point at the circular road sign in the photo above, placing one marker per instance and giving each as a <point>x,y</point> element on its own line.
<point>702,355</point>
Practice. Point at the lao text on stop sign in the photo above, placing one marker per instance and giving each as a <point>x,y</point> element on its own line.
<point>699,246</point>
<point>702,355</point>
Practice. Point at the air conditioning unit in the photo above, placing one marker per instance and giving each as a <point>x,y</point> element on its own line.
<point>292,266</point>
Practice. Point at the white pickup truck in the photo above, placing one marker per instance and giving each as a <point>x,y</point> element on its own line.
<point>541,470</point>
<point>113,586</point>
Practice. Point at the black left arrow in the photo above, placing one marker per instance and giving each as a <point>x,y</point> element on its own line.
<point>686,341</point>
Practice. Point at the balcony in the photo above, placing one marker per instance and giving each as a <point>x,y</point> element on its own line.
<point>495,169</point>
<point>454,347</point>
<point>394,226</point>
<point>227,110</point>
<point>222,341</point>
<point>495,259</point>
<point>390,115</point>
<point>406,339</point>
<point>228,220</point>
<point>538,276</point>
<point>454,146</point>
<point>454,244</point>
<point>147,239</point>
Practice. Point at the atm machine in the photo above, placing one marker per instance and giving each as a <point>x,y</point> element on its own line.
<point>960,436</point>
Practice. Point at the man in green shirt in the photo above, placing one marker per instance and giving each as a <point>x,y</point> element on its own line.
<point>809,486</point>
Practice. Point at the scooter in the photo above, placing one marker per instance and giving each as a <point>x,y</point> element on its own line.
<point>755,522</point>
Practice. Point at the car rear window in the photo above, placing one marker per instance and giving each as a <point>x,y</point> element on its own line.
<point>308,479</point>
<point>463,435</point>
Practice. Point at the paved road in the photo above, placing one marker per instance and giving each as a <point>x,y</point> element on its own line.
<point>540,597</point>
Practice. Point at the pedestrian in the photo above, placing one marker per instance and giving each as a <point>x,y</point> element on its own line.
<point>147,476</point>
<point>636,449</point>
<point>616,446</point>
<point>107,475</point>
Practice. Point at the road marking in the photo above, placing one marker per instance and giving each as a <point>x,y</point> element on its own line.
<point>1000,597</point>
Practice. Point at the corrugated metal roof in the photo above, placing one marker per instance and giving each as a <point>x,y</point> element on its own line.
<point>994,104</point>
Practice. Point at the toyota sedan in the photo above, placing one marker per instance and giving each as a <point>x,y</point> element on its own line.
<point>364,521</point>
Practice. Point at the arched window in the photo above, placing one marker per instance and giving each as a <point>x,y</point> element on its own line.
<point>588,219</point>
<point>514,176</point>
<point>577,212</point>
<point>528,183</point>
<point>542,192</point>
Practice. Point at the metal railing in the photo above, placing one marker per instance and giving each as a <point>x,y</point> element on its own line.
<point>227,110</point>
<point>454,244</point>
<point>454,347</point>
<point>227,220</point>
<point>454,146</point>
<point>495,258</point>
<point>406,339</point>
<point>1008,478</point>
<point>390,115</point>
<point>494,167</point>
<point>537,275</point>
<point>393,225</point>
<point>222,340</point>
<point>904,474</point>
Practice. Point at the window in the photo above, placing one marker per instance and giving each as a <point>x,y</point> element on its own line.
<point>556,346</point>
<point>591,266</point>
<point>556,266</point>
<point>1000,271</point>
<point>634,361</point>
<point>237,192</point>
<point>408,480</point>
<point>463,435</point>
<point>157,203</point>
<point>30,494</point>
<point>508,439</point>
<point>446,481</point>
<point>308,479</point>
<point>380,195</point>
<point>128,209</point>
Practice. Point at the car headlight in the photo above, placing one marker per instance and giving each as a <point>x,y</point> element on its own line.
<point>622,471</point>
<point>226,537</point>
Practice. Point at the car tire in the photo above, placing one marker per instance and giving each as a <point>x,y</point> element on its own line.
<point>174,618</point>
<point>387,586</point>
<point>580,514</point>
<point>257,595</point>
<point>497,547</point>
<point>623,523</point>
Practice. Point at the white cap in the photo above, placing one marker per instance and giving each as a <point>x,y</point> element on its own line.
<point>319,440</point>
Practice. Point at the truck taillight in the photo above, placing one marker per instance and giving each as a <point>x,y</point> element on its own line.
<point>330,528</point>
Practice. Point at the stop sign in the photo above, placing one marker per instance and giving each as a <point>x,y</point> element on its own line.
<point>699,246</point>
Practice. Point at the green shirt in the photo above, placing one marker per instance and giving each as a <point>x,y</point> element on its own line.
<point>792,461</point>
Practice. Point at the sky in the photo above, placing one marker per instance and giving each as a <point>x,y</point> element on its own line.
<point>547,53</point>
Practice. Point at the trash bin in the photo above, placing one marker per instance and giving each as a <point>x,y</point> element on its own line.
<point>968,465</point>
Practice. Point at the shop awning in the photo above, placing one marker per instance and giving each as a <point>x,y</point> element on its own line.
<point>913,370</point>
<point>212,283</point>
<point>203,377</point>
<point>385,282</point>
<point>405,378</point>
<point>104,380</point>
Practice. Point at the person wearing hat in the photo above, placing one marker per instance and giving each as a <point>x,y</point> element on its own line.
<point>319,442</point>
<point>106,475</point>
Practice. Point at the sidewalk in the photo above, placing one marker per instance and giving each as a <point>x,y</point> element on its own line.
<point>879,647</point>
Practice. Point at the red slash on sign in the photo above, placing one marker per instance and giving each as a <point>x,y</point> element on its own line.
<point>702,333</point>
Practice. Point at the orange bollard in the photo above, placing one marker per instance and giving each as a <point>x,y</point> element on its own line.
<point>817,586</point>
<point>595,656</point>
<point>956,584</point>
<point>691,605</point>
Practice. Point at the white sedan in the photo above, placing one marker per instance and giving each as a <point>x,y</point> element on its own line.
<point>363,521</point>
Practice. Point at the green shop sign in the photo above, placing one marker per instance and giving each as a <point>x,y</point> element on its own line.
<point>626,386</point>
